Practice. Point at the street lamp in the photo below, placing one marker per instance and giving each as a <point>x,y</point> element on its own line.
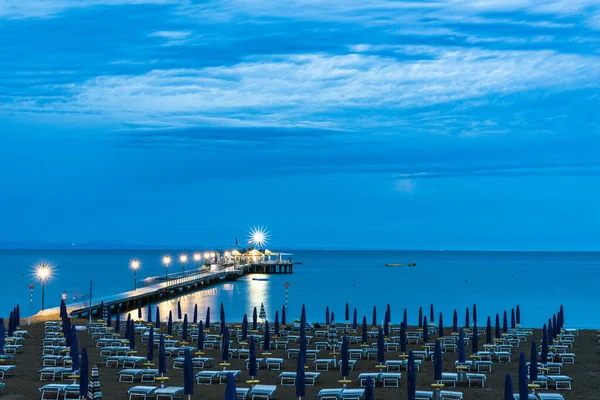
<point>183,259</point>
<point>167,261</point>
<point>135,265</point>
<point>43,272</point>
<point>197,258</point>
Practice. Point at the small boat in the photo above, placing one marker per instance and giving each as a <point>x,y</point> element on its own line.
<point>393,265</point>
<point>260,279</point>
<point>412,265</point>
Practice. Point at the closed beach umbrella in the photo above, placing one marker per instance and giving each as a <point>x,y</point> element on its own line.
<point>300,377</point>
<point>550,334</point>
<point>332,319</point>
<point>139,310</point>
<point>498,333</point>
<point>437,361</point>
<point>347,313</point>
<point>441,326</point>
<point>66,329</point>
<point>225,344</point>
<point>188,375</point>
<point>303,337</point>
<point>505,322</point>
<point>475,340</point>
<point>488,331</point>
<point>405,318</point>
<point>101,311</point>
<point>380,347</point>
<point>283,320</point>
<point>455,321</point>
<point>179,310</point>
<point>150,350</point>
<point>403,338</point>
<point>157,322</point>
<point>533,361</point>
<point>562,317</point>
<point>523,392</point>
<point>94,390</point>
<point>276,327</point>
<point>467,320</point>
<point>512,319</point>
<point>184,329</point>
<point>369,395</point>
<point>420,323</point>
<point>207,320</point>
<point>386,326</point>
<point>230,390</point>
<point>518,319</point>
<point>389,313</point>
<point>252,370</point>
<point>544,355</point>
<point>303,318</point>
<point>2,334</point>
<point>127,325</point>
<point>118,323</point>
<point>149,314</point>
<point>431,316</point>
<point>84,374</point>
<point>222,318</point>
<point>411,385</point>
<point>162,356</point>
<point>355,320</point>
<point>195,320</point>
<point>474,313</point>
<point>245,328</point>
<point>74,351</point>
<point>108,317</point>
<point>267,338</point>
<point>200,336</point>
<point>461,347</point>
<point>425,330</point>
<point>365,336</point>
<point>555,326</point>
<point>170,324</point>
<point>508,388</point>
<point>254,320</point>
<point>327,315</point>
<point>132,336</point>
<point>374,316</point>
<point>345,357</point>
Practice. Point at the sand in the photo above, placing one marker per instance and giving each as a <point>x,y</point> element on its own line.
<point>25,383</point>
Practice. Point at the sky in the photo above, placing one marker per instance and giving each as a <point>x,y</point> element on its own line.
<point>373,124</point>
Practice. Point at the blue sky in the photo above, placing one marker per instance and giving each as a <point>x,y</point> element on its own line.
<point>448,124</point>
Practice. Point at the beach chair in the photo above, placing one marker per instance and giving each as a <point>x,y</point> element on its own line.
<point>131,361</point>
<point>52,391</point>
<point>223,374</point>
<point>2,385</point>
<point>322,364</point>
<point>503,356</point>
<point>568,358</point>
<point>450,395</point>
<point>170,392</point>
<point>550,396</point>
<point>263,392</point>
<point>202,362</point>
<point>554,368</point>
<point>241,393</point>
<point>476,378</point>
<point>50,373</point>
<point>541,380</point>
<point>206,377</point>
<point>287,378</point>
<point>484,365</point>
<point>149,375</point>
<point>12,349</point>
<point>274,364</point>
<point>355,354</point>
<point>330,394</point>
<point>6,369</point>
<point>394,365</point>
<point>178,362</point>
<point>351,365</point>
<point>390,379</point>
<point>362,378</point>
<point>530,396</point>
<point>129,375</point>
<point>352,394</point>
<point>561,382</point>
<point>114,361</point>
<point>449,378</point>
<point>423,395</point>
<point>71,392</point>
<point>143,392</point>
<point>258,363</point>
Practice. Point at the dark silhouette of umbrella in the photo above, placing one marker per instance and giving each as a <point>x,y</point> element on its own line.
<point>512,319</point>
<point>374,317</point>
<point>562,317</point>
<point>254,320</point>
<point>149,314</point>
<point>508,388</point>
<point>497,327</point>
<point>188,375</point>
<point>533,362</point>
<point>150,350</point>
<point>386,325</point>
<point>455,321</point>
<point>369,395</point>
<point>170,324</point>
<point>184,329</point>
<point>431,316</point>
<point>207,320</point>
<point>332,317</point>
<point>425,330</point>
<point>347,313</point>
<point>74,351</point>
<point>389,313</point>
<point>488,331</point>
<point>518,315</point>
<point>403,338</point>
<point>300,377</point>
<point>245,328</point>
<point>108,317</point>
<point>303,336</point>
<point>441,326</point>
<point>18,315</point>
<point>179,310</point>
<point>139,309</point>
<point>230,389</point>
<point>276,327</point>
<point>405,318</point>
<point>225,345</point>
<point>364,332</point>
<point>101,310</point>
<point>475,340</point>
<point>267,338</point>
<point>411,373</point>
<point>283,320</point>
<point>523,392</point>
<point>303,318</point>
<point>84,374</point>
<point>554,326</point>
<point>550,333</point>
<point>544,355</point>
<point>195,320</point>
<point>461,347</point>
<point>252,368</point>
<point>474,313</point>
<point>222,319</point>
<point>157,322</point>
<point>380,347</point>
<point>132,336</point>
<point>437,361</point>
<point>127,326</point>
<point>345,358</point>
<point>420,323</point>
<point>327,315</point>
<point>505,322</point>
<point>2,335</point>
<point>200,336</point>
<point>94,391</point>
<point>467,320</point>
<point>355,320</point>
<point>66,329</point>
<point>118,323</point>
<point>162,357</point>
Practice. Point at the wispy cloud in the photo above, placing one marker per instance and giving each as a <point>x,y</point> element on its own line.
<point>172,38</point>
<point>49,8</point>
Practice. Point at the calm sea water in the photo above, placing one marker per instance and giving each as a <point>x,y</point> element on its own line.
<point>496,281</point>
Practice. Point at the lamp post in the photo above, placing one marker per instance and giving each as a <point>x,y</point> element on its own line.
<point>197,258</point>
<point>167,261</point>
<point>135,265</point>
<point>183,259</point>
<point>206,257</point>
<point>43,273</point>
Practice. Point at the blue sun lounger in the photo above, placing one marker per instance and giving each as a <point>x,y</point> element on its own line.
<point>352,394</point>
<point>423,395</point>
<point>561,382</point>
<point>330,394</point>
<point>550,396</point>
<point>171,392</point>
<point>143,392</point>
<point>263,392</point>
<point>450,395</point>
<point>6,369</point>
<point>530,396</point>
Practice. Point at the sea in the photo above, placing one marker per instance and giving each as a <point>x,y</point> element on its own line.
<point>539,282</point>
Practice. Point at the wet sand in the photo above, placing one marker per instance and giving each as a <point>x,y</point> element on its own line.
<point>25,383</point>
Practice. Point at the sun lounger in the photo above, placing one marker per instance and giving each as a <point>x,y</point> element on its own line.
<point>503,356</point>
<point>2,384</point>
<point>56,391</point>
<point>263,392</point>
<point>322,364</point>
<point>131,361</point>
<point>114,361</point>
<point>450,395</point>
<point>53,373</point>
<point>241,393</point>
<point>550,396</point>
<point>476,378</point>
<point>561,382</point>
<point>330,394</point>
<point>113,351</point>
<point>530,396</point>
<point>567,358</point>
<point>362,378</point>
<point>6,369</point>
<point>12,348</point>
<point>394,365</point>
<point>352,394</point>
<point>554,368</point>
<point>423,395</point>
<point>274,364</point>
<point>143,392</point>
<point>390,379</point>
<point>449,378</point>
<point>351,365</point>
<point>71,392</point>
<point>206,377</point>
<point>484,365</point>
<point>541,380</point>
<point>289,378</point>
<point>54,361</point>
<point>170,392</point>
<point>129,375</point>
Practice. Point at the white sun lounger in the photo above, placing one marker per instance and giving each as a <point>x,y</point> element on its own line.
<point>274,364</point>
<point>6,369</point>
<point>449,378</point>
<point>476,378</point>
<point>171,392</point>
<point>423,395</point>
<point>322,364</point>
<point>450,395</point>
<point>114,351</point>
<point>352,394</point>
<point>53,373</point>
<point>263,392</point>
<point>131,361</point>
<point>330,394</point>
<point>550,396</point>
<point>561,382</point>
<point>54,391</point>
<point>362,378</point>
<point>206,377</point>
<point>241,393</point>
<point>289,378</point>
<point>129,375</point>
<point>141,391</point>
<point>390,379</point>
<point>394,365</point>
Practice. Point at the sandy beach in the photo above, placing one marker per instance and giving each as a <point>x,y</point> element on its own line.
<point>25,383</point>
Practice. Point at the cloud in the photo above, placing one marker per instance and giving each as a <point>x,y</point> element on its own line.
<point>172,38</point>
<point>18,9</point>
